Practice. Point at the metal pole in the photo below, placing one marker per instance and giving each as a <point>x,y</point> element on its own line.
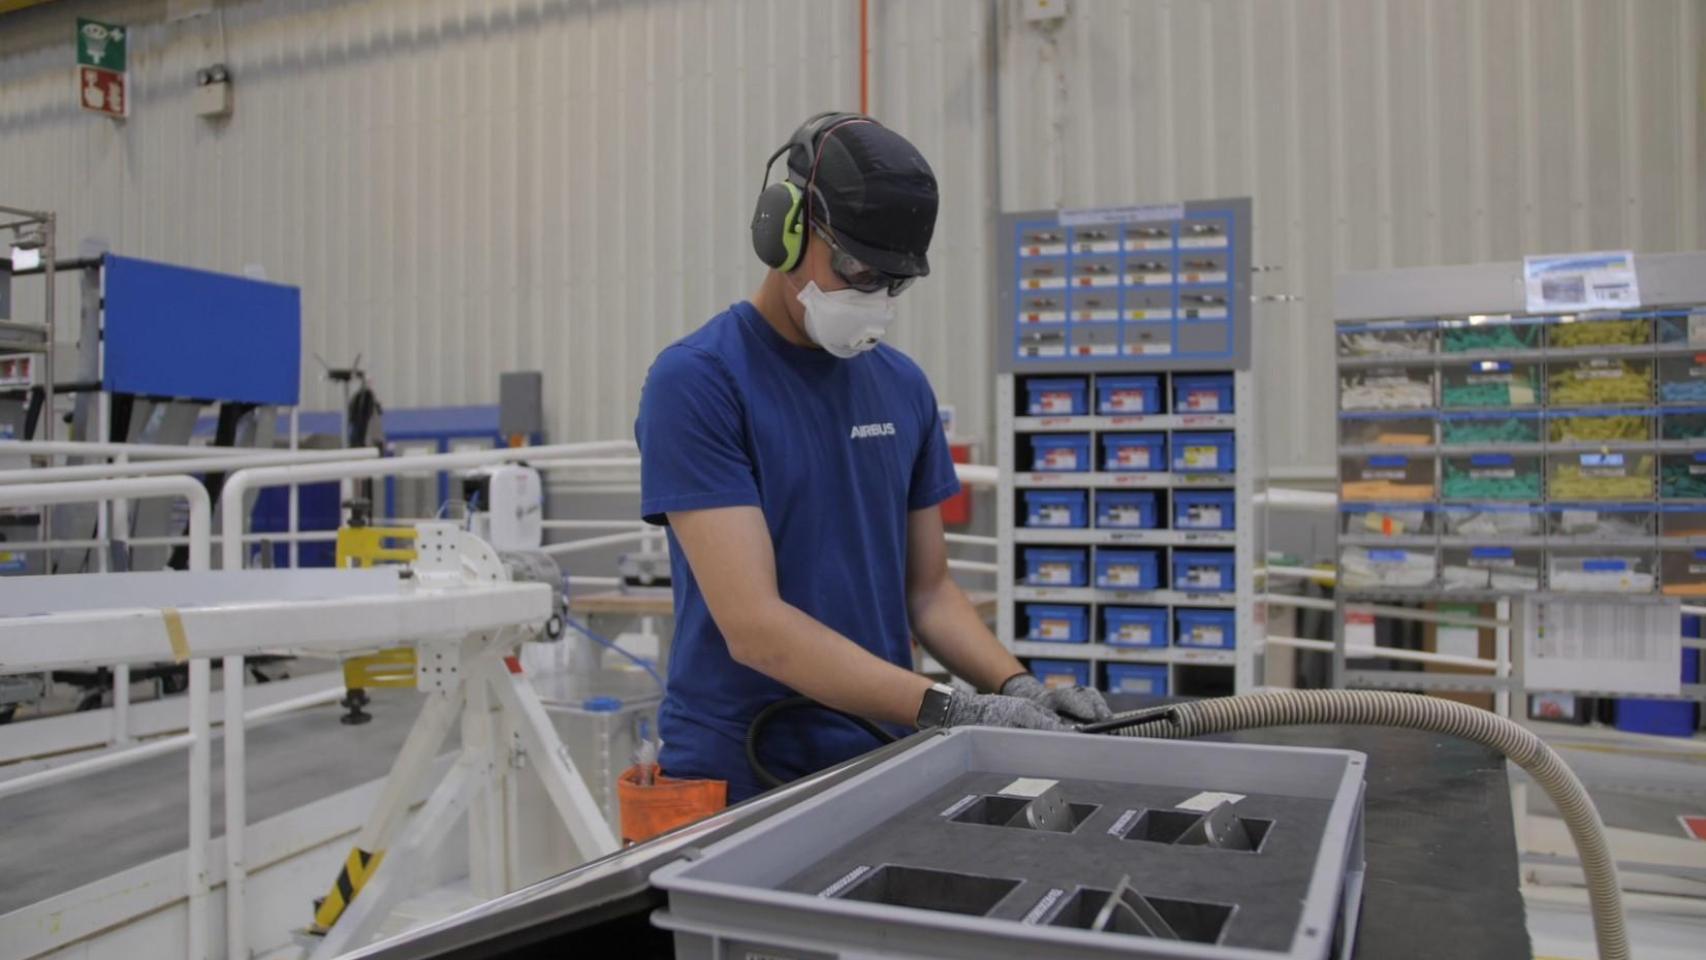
<point>48,271</point>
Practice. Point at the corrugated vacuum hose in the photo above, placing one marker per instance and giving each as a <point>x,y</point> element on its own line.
<point>1410,711</point>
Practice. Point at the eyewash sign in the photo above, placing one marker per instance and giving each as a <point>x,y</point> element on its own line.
<point>103,85</point>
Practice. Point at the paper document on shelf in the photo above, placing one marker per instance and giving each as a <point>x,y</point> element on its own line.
<point>1600,645</point>
<point>1581,281</point>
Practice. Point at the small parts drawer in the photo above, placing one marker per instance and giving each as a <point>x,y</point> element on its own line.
<point>1386,477</point>
<point>1493,476</point>
<point>1490,384</point>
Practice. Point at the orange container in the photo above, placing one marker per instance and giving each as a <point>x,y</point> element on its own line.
<point>665,804</point>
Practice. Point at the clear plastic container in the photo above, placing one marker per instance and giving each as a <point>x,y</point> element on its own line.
<point>1601,571</point>
<point>1386,477</point>
<point>1387,388</point>
<point>1600,381</point>
<point>1489,427</point>
<point>1683,379</point>
<point>1386,430</point>
<point>1490,568</point>
<point>1388,567</point>
<point>1490,384</point>
<point>1599,330</point>
<point>1613,425</point>
<point>1492,476</point>
<point>1489,333</point>
<point>1683,476</point>
<point>1388,338</point>
<point>1600,476</point>
<point>1588,522</point>
<point>1387,519</point>
<point>1683,572</point>
<point>1492,521</point>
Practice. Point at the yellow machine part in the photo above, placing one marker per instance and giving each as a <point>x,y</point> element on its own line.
<point>391,667</point>
<point>363,547</point>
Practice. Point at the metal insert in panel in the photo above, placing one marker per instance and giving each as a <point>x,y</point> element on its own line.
<point>1044,306</point>
<point>1204,304</point>
<point>1203,267</point>
<point>1042,342</point>
<point>1148,304</point>
<point>1095,339</point>
<point>1043,273</point>
<point>1149,237</point>
<point>1148,340</point>
<point>1042,241</point>
<point>1092,240</point>
<point>1149,270</point>
<point>1101,270</point>
<point>1095,304</point>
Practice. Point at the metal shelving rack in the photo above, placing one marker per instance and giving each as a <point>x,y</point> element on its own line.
<point>1431,303</point>
<point>1161,336</point>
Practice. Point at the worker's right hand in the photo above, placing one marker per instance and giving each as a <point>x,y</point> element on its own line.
<point>995,710</point>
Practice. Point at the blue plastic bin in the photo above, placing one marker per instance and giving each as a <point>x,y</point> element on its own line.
<point>1211,393</point>
<point>1203,571</point>
<point>1206,629</point>
<point>1140,452</point>
<point>1203,509</point>
<point>1666,718</point>
<point>1056,508</point>
<point>1055,567</point>
<point>1135,626</point>
<point>1062,673</point>
<point>1058,623</point>
<point>1128,569</point>
<point>1126,509</point>
<point>1057,397</point>
<point>1060,452</point>
<point>1127,396</point>
<point>1150,678</point>
<point>1209,452</point>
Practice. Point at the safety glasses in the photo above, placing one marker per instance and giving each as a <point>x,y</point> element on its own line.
<point>856,274</point>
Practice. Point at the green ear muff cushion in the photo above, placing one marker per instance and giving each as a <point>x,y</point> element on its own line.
<point>778,227</point>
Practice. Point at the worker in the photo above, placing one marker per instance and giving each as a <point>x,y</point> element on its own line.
<point>798,463</point>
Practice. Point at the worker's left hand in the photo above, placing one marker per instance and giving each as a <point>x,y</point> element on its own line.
<point>1075,703</point>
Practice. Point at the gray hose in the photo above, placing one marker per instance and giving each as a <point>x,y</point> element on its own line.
<point>1380,709</point>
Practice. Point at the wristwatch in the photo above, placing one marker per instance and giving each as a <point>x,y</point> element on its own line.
<point>933,712</point>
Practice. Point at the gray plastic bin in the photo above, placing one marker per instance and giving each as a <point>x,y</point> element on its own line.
<point>925,855</point>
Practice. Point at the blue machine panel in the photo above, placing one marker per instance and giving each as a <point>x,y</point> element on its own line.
<point>176,332</point>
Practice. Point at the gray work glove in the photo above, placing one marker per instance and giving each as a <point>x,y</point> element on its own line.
<point>995,710</point>
<point>1075,703</point>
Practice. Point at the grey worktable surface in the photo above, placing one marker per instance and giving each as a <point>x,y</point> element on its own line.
<point>1439,838</point>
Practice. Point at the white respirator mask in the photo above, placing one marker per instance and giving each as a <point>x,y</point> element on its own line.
<point>846,322</point>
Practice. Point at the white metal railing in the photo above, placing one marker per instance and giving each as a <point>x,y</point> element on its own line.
<point>200,522</point>
<point>226,460</point>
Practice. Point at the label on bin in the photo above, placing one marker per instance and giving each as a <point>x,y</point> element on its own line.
<point>1059,401</point>
<point>1052,573</point>
<point>1202,515</point>
<point>1136,684</point>
<point>1125,401</point>
<point>1121,575</point>
<point>1134,633</point>
<point>1053,629</point>
<point>1207,578</point>
<point>1122,515</point>
<point>1494,473</point>
<point>1064,458</point>
<point>1051,516</point>
<point>1202,457</point>
<point>844,881</point>
<point>1132,458</point>
<point>1043,906</point>
<point>1205,636</point>
<point>1203,401</point>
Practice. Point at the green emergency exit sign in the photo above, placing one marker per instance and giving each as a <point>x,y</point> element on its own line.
<point>101,44</point>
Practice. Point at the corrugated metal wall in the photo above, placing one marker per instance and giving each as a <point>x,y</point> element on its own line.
<point>467,186</point>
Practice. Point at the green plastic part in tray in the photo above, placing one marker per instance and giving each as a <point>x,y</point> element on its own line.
<point>1488,395</point>
<point>1455,432</point>
<point>1462,484</point>
<point>1607,333</point>
<point>1592,429</point>
<point>1494,337</point>
<point>1688,426</point>
<point>1679,481</point>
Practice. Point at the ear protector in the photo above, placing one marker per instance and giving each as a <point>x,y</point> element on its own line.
<point>779,218</point>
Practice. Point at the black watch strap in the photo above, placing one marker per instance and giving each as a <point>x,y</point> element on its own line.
<point>933,711</point>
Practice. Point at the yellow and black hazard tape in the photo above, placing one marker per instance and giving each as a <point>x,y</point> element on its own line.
<point>358,869</point>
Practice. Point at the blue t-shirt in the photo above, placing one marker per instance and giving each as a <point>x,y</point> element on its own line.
<point>836,453</point>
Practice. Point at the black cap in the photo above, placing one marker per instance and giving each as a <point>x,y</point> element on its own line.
<point>874,193</point>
